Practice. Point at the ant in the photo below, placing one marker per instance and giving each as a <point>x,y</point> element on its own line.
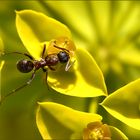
<point>50,60</point>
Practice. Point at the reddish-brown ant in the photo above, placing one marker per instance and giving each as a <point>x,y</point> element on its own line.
<point>49,60</point>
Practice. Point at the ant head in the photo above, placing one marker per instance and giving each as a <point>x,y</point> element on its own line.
<point>63,56</point>
<point>25,66</point>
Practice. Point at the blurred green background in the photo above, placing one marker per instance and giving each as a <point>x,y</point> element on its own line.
<point>109,30</point>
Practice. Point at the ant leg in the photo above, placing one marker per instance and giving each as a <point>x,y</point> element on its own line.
<point>17,89</point>
<point>51,68</point>
<point>46,77</point>
<point>44,49</point>
<point>29,56</point>
<point>44,70</point>
<point>68,65</point>
<point>46,80</point>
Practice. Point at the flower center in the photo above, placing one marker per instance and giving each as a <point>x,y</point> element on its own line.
<point>96,134</point>
<point>96,131</point>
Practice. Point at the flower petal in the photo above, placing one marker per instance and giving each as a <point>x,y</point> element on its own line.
<point>116,134</point>
<point>85,80</point>
<point>35,27</point>
<point>58,121</point>
<point>124,104</point>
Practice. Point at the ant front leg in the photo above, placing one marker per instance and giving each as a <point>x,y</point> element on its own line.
<point>17,89</point>
<point>46,77</point>
<point>44,49</point>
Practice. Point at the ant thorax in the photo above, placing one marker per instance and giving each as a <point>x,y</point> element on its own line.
<point>39,63</point>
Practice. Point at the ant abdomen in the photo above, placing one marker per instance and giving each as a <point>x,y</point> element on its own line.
<point>25,66</point>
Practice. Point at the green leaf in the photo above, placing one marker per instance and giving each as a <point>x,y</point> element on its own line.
<point>116,134</point>
<point>1,46</point>
<point>57,121</point>
<point>35,28</point>
<point>124,104</point>
<point>84,80</point>
<point>1,66</point>
<point>71,17</point>
<point>130,55</point>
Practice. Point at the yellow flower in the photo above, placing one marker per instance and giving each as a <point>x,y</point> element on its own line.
<point>36,29</point>
<point>56,121</point>
<point>109,30</point>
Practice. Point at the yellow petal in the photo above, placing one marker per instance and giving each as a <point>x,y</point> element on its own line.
<point>35,27</point>
<point>84,79</point>
<point>124,104</point>
<point>58,121</point>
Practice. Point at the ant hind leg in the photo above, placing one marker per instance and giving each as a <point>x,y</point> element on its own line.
<point>17,89</point>
<point>29,56</point>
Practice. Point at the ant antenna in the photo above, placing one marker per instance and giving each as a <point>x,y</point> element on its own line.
<point>61,48</point>
<point>17,89</point>
<point>55,45</point>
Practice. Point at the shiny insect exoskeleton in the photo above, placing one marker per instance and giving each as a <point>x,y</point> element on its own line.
<point>50,60</point>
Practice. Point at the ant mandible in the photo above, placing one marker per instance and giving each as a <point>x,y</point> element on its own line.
<point>49,60</point>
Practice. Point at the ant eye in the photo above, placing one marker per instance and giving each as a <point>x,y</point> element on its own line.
<point>25,66</point>
<point>63,56</point>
